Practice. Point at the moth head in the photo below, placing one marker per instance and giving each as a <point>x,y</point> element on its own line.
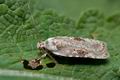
<point>41,45</point>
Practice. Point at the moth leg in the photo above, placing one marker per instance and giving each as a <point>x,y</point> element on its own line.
<point>45,53</point>
<point>43,56</point>
<point>52,58</point>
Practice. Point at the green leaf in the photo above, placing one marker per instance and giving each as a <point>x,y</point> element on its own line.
<point>3,9</point>
<point>23,24</point>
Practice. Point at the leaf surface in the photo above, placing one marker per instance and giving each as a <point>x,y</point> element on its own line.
<point>22,25</point>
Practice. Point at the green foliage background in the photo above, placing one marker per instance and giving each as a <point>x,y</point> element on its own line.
<point>25,22</point>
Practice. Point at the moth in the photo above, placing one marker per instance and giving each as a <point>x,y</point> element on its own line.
<point>75,47</point>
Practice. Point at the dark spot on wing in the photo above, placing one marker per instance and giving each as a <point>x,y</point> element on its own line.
<point>78,39</point>
<point>82,52</point>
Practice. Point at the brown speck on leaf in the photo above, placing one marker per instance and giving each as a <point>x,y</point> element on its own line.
<point>32,64</point>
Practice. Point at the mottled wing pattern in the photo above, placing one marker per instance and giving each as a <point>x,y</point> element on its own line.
<point>77,47</point>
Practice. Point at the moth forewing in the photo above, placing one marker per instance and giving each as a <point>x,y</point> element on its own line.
<point>76,47</point>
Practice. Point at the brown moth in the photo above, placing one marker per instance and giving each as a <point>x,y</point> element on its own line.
<point>75,47</point>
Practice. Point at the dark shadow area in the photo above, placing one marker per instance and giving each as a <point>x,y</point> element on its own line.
<point>74,60</point>
<point>50,65</point>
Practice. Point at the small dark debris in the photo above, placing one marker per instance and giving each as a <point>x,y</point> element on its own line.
<point>50,65</point>
<point>32,64</point>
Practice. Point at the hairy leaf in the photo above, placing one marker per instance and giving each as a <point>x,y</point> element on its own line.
<point>22,25</point>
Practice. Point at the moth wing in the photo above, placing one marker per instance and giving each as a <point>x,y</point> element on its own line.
<point>78,47</point>
<point>71,51</point>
